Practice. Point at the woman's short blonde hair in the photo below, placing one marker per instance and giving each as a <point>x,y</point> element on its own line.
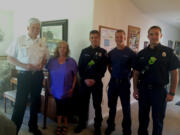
<point>58,45</point>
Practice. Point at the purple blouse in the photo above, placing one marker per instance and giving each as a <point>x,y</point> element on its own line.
<point>61,76</point>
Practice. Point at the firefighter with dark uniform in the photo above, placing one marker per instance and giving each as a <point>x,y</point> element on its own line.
<point>92,66</point>
<point>120,61</point>
<point>151,76</point>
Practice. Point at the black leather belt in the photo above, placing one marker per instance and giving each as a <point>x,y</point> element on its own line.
<point>28,72</point>
<point>119,80</point>
<point>151,86</point>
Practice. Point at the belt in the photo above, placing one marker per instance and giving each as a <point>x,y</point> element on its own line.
<point>119,80</point>
<point>27,72</point>
<point>151,86</point>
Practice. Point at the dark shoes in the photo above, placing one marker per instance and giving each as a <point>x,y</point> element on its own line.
<point>97,131</point>
<point>35,131</point>
<point>79,128</point>
<point>61,130</point>
<point>109,130</point>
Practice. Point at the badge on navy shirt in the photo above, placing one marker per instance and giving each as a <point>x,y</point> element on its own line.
<point>164,54</point>
<point>86,55</point>
<point>100,54</point>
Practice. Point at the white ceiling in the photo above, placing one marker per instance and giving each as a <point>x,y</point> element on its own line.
<point>167,11</point>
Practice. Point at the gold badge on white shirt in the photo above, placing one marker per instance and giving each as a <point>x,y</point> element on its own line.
<point>40,45</point>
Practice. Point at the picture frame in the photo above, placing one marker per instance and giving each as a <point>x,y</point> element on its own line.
<point>54,31</point>
<point>146,44</point>
<point>177,48</point>
<point>170,44</point>
<point>107,37</point>
<point>133,37</point>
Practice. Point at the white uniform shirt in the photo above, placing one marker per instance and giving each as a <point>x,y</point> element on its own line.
<point>28,51</point>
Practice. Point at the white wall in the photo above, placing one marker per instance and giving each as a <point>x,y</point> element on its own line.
<point>120,14</point>
<point>78,12</point>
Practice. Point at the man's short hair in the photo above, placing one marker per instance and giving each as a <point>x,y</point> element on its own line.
<point>33,21</point>
<point>155,27</point>
<point>121,31</point>
<point>94,32</point>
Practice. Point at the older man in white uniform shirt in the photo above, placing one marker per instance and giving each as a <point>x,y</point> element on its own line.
<point>29,54</point>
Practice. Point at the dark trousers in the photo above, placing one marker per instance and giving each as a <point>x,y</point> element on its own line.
<point>119,88</point>
<point>29,83</point>
<point>85,93</point>
<point>154,97</point>
<point>63,107</point>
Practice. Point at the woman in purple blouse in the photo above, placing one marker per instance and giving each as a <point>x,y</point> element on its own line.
<point>62,79</point>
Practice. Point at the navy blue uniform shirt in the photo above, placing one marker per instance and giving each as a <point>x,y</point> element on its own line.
<point>121,62</point>
<point>92,63</point>
<point>155,64</point>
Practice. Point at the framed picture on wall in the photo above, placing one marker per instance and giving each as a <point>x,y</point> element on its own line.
<point>146,44</point>
<point>107,37</point>
<point>133,37</point>
<point>170,44</point>
<point>177,48</point>
<point>53,32</point>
